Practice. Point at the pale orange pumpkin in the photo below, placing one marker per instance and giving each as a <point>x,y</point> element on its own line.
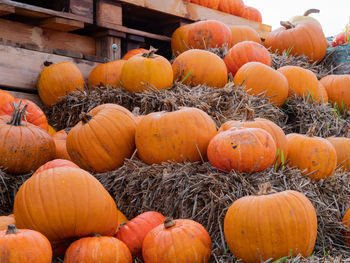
<point>337,87</point>
<point>179,40</point>
<point>107,74</point>
<point>342,148</point>
<point>55,164</point>
<point>5,98</point>
<point>243,33</point>
<point>234,7</point>
<point>6,220</point>
<point>252,13</point>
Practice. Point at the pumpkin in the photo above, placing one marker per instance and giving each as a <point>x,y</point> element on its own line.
<point>346,223</point>
<point>322,95</point>
<point>55,164</point>
<point>179,40</point>
<point>200,67</point>
<point>298,38</point>
<point>337,90</point>
<point>314,156</point>
<point>24,245</point>
<point>121,219</point>
<point>6,220</point>
<point>252,13</point>
<point>182,135</point>
<point>273,129</point>
<point>242,150</point>
<point>107,74</point>
<point>58,80</point>
<point>306,17</point>
<point>146,71</point>
<point>103,139</point>
<point>51,130</point>
<point>177,241</point>
<point>213,4</point>
<point>63,203</point>
<point>134,52</point>
<point>24,146</point>
<point>60,138</point>
<point>342,148</point>
<point>5,98</point>
<point>259,79</point>
<point>271,226</point>
<point>244,52</point>
<point>208,34</point>
<point>243,33</point>
<point>98,249</point>
<point>134,231</point>
<point>341,39</point>
<point>234,7</point>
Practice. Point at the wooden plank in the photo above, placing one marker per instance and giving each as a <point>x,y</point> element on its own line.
<point>45,38</point>
<point>20,68</point>
<point>28,96</point>
<point>108,14</point>
<point>61,24</point>
<point>6,9</point>
<point>82,7</point>
<point>104,47</point>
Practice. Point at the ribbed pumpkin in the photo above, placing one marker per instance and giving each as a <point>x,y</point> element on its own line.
<point>64,203</point>
<point>322,94</point>
<point>182,135</point>
<point>98,249</point>
<point>146,71</point>
<point>107,74</point>
<point>58,80</point>
<point>271,226</point>
<point>208,34</point>
<point>60,139</point>
<point>24,245</point>
<point>134,231</point>
<point>24,146</point>
<point>306,17</point>
<point>51,130</point>
<point>252,13</point>
<point>342,148</point>
<point>257,79</point>
<point>6,220</point>
<point>299,38</point>
<point>198,67</point>
<point>179,40</point>
<point>177,241</point>
<point>249,121</point>
<point>346,222</point>
<point>103,139</point>
<point>134,52</point>
<point>244,52</point>
<point>337,87</point>
<point>5,98</point>
<point>213,4</point>
<point>243,150</point>
<point>315,156</point>
<point>243,33</point>
<point>234,7</point>
<point>55,164</point>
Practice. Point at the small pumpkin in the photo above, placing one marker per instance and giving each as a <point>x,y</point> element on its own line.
<point>58,80</point>
<point>179,40</point>
<point>233,7</point>
<point>60,139</point>
<point>337,87</point>
<point>306,17</point>
<point>24,245</point>
<point>134,52</point>
<point>98,248</point>
<point>5,97</point>
<point>243,33</point>
<point>200,67</point>
<point>271,226</point>
<point>107,74</point>
<point>134,231</point>
<point>346,223</point>
<point>55,164</point>
<point>6,220</point>
<point>51,130</point>
<point>341,39</point>
<point>322,94</point>
<point>259,79</point>
<point>252,13</point>
<point>342,148</point>
<point>121,219</point>
<point>213,4</point>
<point>177,241</point>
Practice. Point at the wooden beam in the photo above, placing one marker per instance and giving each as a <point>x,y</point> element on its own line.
<point>104,47</point>
<point>82,7</point>
<point>108,14</point>
<point>28,96</point>
<point>20,68</point>
<point>6,9</point>
<point>61,24</point>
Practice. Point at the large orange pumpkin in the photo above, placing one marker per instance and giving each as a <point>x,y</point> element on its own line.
<point>58,80</point>
<point>234,7</point>
<point>337,87</point>
<point>179,40</point>
<point>6,220</point>
<point>342,148</point>
<point>134,231</point>
<point>98,249</point>
<point>252,13</point>
<point>181,240</point>
<point>103,139</point>
<point>5,98</point>
<point>259,79</point>
<point>63,203</point>
<point>24,245</point>
<point>346,222</point>
<point>181,135</point>
<point>314,156</point>
<point>244,52</point>
<point>213,4</point>
<point>60,139</point>
<point>243,150</point>
<point>24,146</point>
<point>243,33</point>
<point>200,67</point>
<point>134,52</point>
<point>271,226</point>
<point>55,164</point>
<point>298,38</point>
<point>107,74</point>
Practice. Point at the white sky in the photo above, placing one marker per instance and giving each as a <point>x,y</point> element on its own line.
<point>333,16</point>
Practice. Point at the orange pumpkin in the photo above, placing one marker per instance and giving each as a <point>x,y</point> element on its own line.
<point>103,139</point>
<point>180,240</point>
<point>55,164</point>
<point>23,245</point>
<point>213,4</point>
<point>337,87</point>
<point>5,98</point>
<point>60,139</point>
<point>244,52</point>
<point>243,33</point>
<point>342,148</point>
<point>107,74</point>
<point>252,13</point>
<point>174,136</point>
<point>134,231</point>
<point>346,222</point>
<point>299,38</point>
<point>98,249</point>
<point>314,156</point>
<point>179,40</point>
<point>63,203</point>
<point>134,52</point>
<point>259,79</point>
<point>6,220</point>
<point>121,219</point>
<point>200,67</point>
<point>51,130</point>
<point>58,80</point>
<point>234,7</point>
<point>271,226</point>
<point>146,71</point>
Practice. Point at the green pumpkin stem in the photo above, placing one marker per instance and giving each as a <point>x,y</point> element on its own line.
<point>150,53</point>
<point>11,229</point>
<point>287,24</point>
<point>311,11</point>
<point>85,118</point>
<point>249,114</point>
<point>265,189</point>
<point>17,114</point>
<point>169,222</point>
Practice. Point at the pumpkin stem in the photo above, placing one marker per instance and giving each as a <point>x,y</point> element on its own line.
<point>169,222</point>
<point>17,114</point>
<point>85,118</point>
<point>67,130</point>
<point>311,131</point>
<point>265,189</point>
<point>287,24</point>
<point>121,225</point>
<point>311,11</point>
<point>150,53</point>
<point>249,114</point>
<point>47,63</point>
<point>11,229</point>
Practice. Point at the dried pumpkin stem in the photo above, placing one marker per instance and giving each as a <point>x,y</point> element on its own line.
<point>249,114</point>
<point>266,189</point>
<point>11,229</point>
<point>150,53</point>
<point>17,115</point>
<point>169,222</point>
<point>311,11</point>
<point>85,118</point>
<point>287,24</point>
